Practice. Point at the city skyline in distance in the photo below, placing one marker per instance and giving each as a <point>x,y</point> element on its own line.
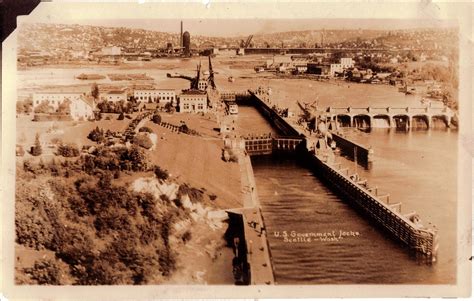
<point>243,27</point>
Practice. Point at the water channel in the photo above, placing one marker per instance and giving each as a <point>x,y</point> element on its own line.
<point>417,168</point>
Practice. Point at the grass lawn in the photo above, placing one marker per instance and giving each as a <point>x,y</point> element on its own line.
<point>197,161</point>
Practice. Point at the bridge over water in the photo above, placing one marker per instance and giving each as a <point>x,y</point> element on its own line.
<point>393,116</point>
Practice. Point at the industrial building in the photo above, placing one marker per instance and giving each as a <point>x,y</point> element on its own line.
<point>187,43</point>
<point>318,69</point>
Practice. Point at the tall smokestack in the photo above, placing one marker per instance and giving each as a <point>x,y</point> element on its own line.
<point>181,36</point>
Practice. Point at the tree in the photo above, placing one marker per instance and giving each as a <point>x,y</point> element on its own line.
<point>68,150</point>
<point>160,173</point>
<point>143,140</point>
<point>44,107</point>
<point>36,149</point>
<point>64,107</point>
<point>145,129</point>
<point>20,108</point>
<point>96,135</point>
<point>169,107</point>
<point>95,91</point>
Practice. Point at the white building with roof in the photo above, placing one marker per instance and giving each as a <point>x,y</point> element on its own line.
<point>193,101</point>
<point>116,96</point>
<point>335,68</point>
<point>54,99</point>
<point>155,95</point>
<point>111,50</point>
<point>82,108</point>
<point>347,62</point>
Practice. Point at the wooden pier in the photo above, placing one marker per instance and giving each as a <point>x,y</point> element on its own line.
<point>357,152</point>
<point>404,228</point>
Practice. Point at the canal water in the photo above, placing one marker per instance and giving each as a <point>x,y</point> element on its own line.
<point>316,238</point>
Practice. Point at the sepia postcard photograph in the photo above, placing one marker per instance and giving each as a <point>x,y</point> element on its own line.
<point>237,150</point>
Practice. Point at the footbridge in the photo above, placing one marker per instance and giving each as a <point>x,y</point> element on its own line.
<point>395,117</point>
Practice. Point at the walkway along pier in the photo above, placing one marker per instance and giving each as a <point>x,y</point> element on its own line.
<point>246,234</point>
<point>406,229</point>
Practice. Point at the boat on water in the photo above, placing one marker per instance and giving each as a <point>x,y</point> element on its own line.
<point>85,76</point>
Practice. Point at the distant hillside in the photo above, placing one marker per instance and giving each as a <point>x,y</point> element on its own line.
<point>44,37</point>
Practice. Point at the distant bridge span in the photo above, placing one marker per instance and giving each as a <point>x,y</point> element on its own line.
<point>427,114</point>
<point>297,50</point>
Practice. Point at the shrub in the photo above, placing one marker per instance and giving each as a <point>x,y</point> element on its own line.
<point>233,158</point>
<point>96,135</point>
<point>45,272</point>
<point>195,195</point>
<point>145,129</point>
<point>68,150</point>
<point>53,167</point>
<point>184,128</point>
<point>178,203</point>
<point>143,141</point>
<point>186,236</point>
<point>161,174</point>
<point>156,118</point>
